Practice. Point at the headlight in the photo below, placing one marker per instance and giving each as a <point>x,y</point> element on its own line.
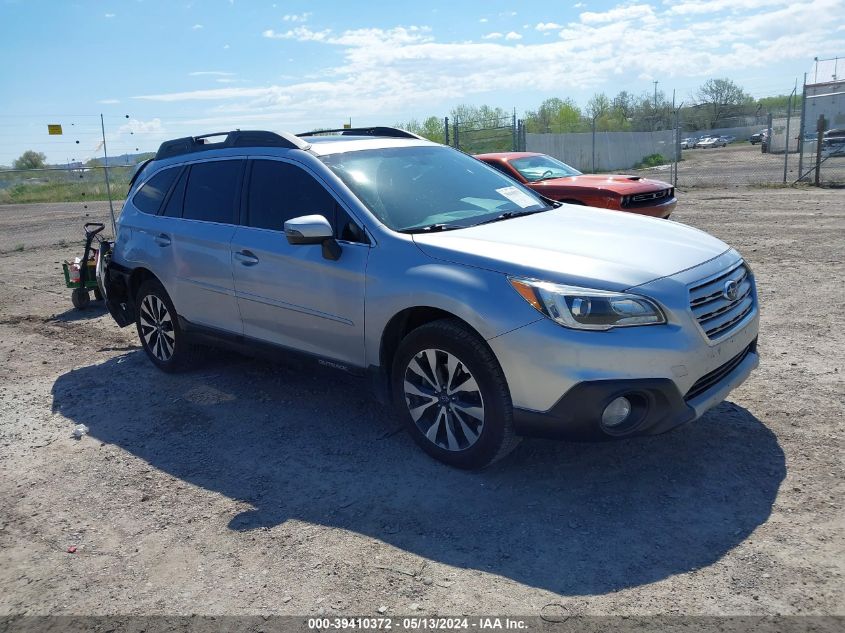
<point>586,309</point>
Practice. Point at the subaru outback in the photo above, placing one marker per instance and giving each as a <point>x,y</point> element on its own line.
<point>479,309</point>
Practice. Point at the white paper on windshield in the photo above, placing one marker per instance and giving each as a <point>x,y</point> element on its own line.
<point>517,197</point>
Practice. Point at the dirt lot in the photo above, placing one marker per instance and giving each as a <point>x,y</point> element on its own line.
<point>245,487</point>
<point>741,164</point>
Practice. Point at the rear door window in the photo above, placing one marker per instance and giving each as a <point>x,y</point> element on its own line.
<point>149,197</point>
<point>212,191</point>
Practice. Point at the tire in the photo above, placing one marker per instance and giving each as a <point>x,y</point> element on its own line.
<point>80,298</point>
<point>460,413</point>
<point>158,328</point>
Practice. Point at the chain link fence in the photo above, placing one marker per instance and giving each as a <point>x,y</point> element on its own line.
<point>822,132</point>
<point>762,151</point>
<point>481,136</point>
<point>47,207</point>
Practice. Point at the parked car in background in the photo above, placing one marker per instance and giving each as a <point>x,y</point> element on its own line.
<point>758,137</point>
<point>729,139</point>
<point>558,181</point>
<point>687,143</point>
<point>833,142</point>
<point>713,141</point>
<point>491,311</point>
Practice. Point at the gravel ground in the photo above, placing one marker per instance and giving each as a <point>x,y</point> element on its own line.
<point>742,164</point>
<point>249,488</point>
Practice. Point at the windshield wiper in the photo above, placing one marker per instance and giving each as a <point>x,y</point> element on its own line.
<point>432,228</point>
<point>507,215</point>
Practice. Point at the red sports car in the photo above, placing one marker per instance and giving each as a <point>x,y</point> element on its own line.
<point>558,181</point>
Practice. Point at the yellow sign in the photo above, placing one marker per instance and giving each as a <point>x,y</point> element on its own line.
<point>54,129</point>
<point>347,126</point>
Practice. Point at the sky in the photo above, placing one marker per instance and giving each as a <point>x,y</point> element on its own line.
<point>159,69</point>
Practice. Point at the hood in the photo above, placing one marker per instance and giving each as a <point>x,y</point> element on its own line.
<point>583,246</point>
<point>623,185</point>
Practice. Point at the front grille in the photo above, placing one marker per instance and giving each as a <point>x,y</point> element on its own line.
<point>648,199</point>
<point>709,380</point>
<point>716,312</point>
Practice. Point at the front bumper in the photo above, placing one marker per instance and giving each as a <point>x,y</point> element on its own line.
<point>561,379</point>
<point>659,405</point>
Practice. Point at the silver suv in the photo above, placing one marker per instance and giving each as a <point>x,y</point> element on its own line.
<point>479,309</point>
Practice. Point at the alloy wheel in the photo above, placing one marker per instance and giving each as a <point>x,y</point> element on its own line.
<point>157,328</point>
<point>444,399</point>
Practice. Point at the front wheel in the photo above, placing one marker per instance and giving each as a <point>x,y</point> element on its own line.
<point>452,395</point>
<point>158,328</point>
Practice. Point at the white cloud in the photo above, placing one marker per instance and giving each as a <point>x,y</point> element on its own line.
<point>483,20</point>
<point>225,47</point>
<point>548,26</point>
<point>137,126</point>
<point>507,14</point>
<point>297,17</point>
<point>715,6</point>
<point>356,38</point>
<point>513,35</point>
<point>109,15</point>
<point>385,73</point>
<point>578,5</point>
<point>300,34</point>
<point>196,27</point>
<point>620,13</point>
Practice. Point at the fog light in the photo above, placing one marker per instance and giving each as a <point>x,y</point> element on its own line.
<point>616,412</point>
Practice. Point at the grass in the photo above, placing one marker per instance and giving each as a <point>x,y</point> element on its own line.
<point>652,160</point>
<point>62,186</point>
<point>63,192</point>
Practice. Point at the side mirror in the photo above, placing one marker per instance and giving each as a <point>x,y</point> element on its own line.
<point>313,229</point>
<point>308,229</point>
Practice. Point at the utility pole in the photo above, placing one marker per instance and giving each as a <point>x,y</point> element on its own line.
<point>655,93</point>
<point>788,121</point>
<point>106,170</point>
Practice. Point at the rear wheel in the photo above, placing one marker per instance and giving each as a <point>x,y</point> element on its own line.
<point>158,328</point>
<point>80,298</point>
<point>450,392</point>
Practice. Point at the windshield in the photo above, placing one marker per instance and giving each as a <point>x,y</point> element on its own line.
<point>417,188</point>
<point>534,168</point>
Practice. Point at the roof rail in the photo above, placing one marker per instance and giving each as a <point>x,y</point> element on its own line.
<point>378,130</point>
<point>236,138</point>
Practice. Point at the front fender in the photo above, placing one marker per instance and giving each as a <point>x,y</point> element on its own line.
<point>483,299</point>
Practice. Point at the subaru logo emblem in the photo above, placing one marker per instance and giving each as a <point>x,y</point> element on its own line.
<point>731,290</point>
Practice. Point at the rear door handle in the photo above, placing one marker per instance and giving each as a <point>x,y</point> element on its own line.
<point>246,258</point>
<point>162,240</point>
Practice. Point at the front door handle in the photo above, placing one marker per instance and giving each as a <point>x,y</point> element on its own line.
<point>162,240</point>
<point>246,258</point>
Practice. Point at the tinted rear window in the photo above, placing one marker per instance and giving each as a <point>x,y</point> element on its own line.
<point>149,197</point>
<point>212,191</point>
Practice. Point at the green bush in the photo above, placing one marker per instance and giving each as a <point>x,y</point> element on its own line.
<point>652,160</point>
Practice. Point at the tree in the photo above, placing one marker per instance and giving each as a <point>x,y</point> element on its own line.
<point>30,159</point>
<point>554,115</point>
<point>623,105</point>
<point>598,105</point>
<point>721,98</point>
<point>433,128</point>
<point>779,104</point>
